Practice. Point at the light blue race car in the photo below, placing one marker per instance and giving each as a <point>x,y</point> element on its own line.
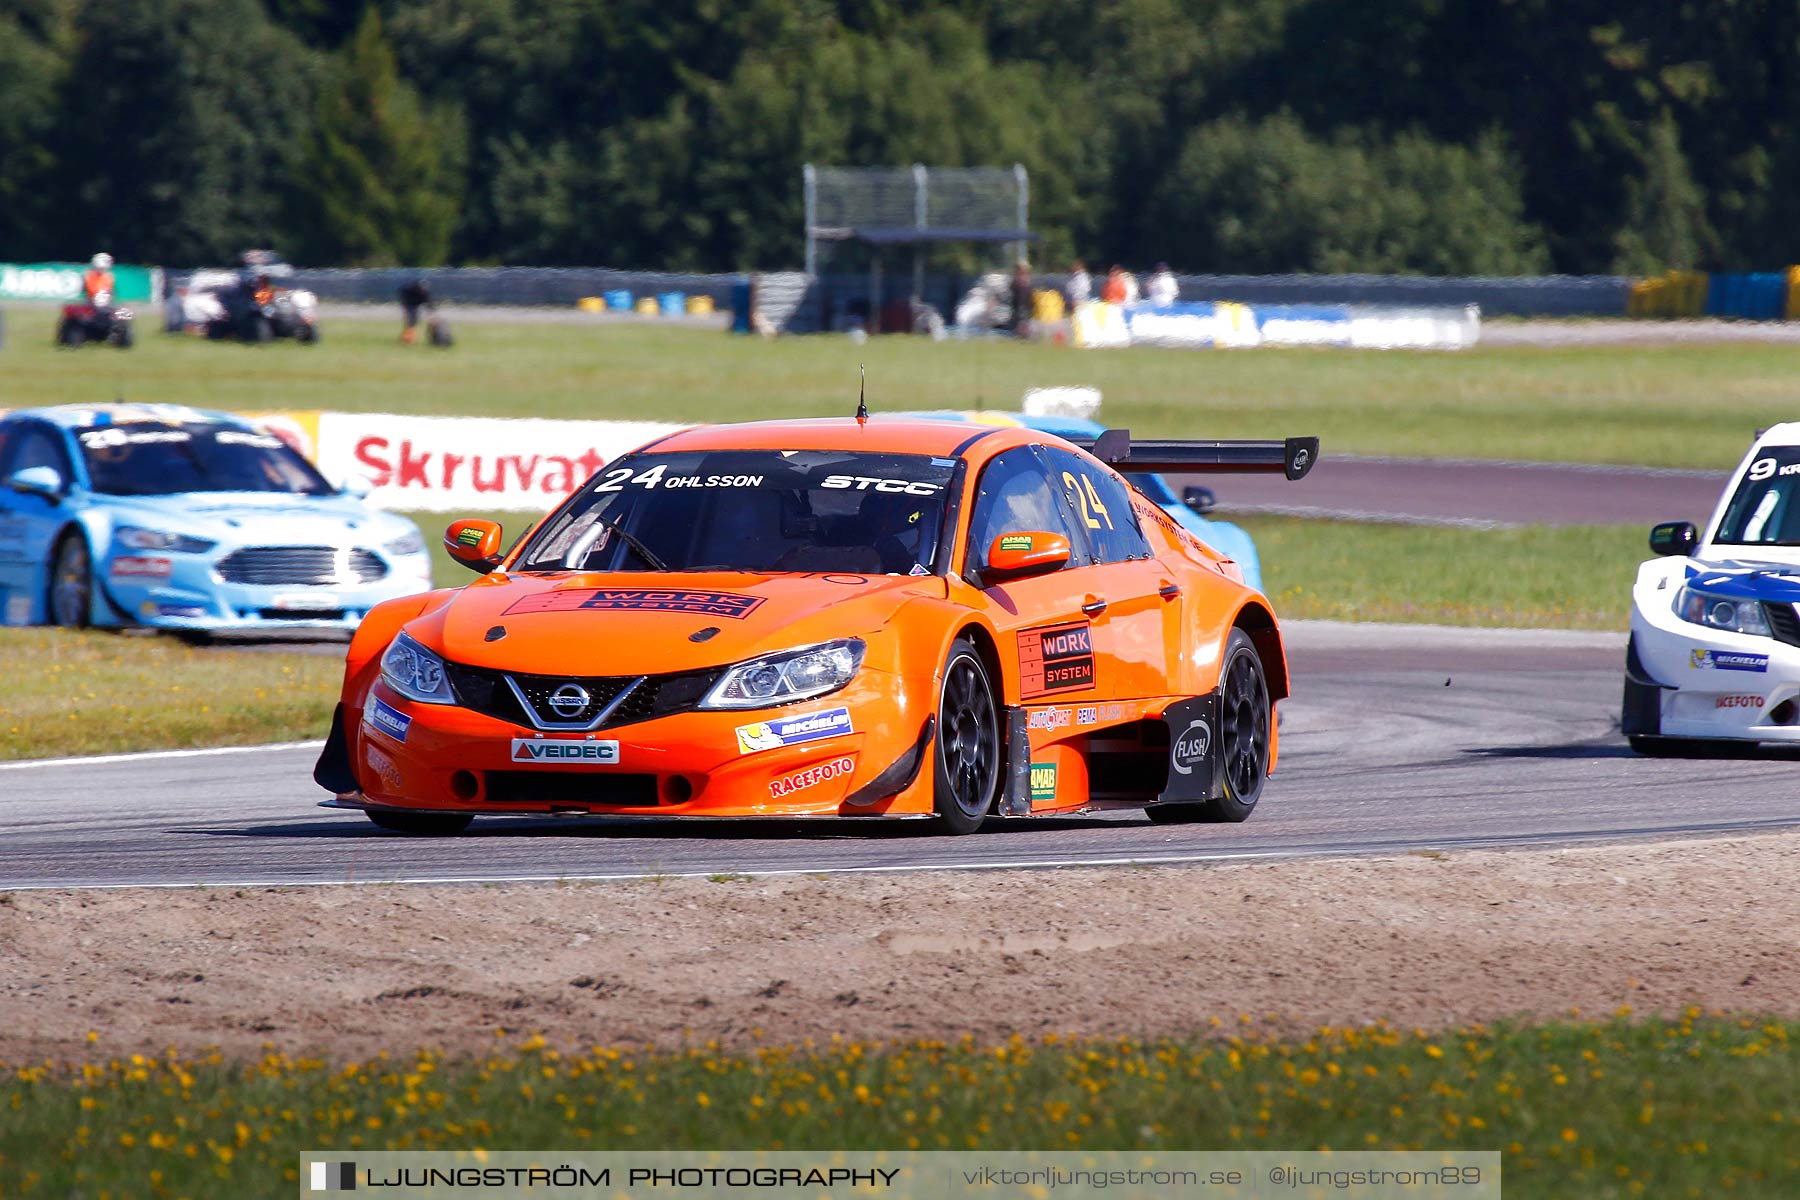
<point>1224,537</point>
<point>180,519</point>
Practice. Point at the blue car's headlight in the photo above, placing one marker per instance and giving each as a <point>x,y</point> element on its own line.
<point>788,676</point>
<point>405,544</point>
<point>415,672</point>
<point>1721,612</point>
<point>139,538</point>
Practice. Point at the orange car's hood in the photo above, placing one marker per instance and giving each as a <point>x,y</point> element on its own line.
<point>638,622</point>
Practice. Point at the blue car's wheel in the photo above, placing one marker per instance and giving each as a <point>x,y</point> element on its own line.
<point>72,583</point>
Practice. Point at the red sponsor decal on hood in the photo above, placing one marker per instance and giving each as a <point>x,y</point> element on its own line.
<point>681,600</point>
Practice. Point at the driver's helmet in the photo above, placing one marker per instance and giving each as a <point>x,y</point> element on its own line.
<point>893,523</point>
<point>101,262</point>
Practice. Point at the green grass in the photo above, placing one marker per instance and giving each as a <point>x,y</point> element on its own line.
<point>1691,405</point>
<point>105,693</point>
<point>1566,577</point>
<point>1690,1107</point>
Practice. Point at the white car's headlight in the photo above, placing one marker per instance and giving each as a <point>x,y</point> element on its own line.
<point>139,538</point>
<point>1721,612</point>
<point>405,544</point>
<point>788,676</point>
<point>415,672</point>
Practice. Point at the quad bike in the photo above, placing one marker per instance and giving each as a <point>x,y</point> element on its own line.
<point>284,313</point>
<point>96,321</point>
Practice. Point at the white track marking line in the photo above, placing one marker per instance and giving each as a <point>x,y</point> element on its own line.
<point>146,755</point>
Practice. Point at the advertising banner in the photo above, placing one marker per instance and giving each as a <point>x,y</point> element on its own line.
<point>1206,324</point>
<point>62,282</point>
<point>478,464</point>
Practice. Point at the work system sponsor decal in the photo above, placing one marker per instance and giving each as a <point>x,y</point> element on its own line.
<point>811,777</point>
<point>1728,660</point>
<point>387,719</point>
<point>131,566</point>
<point>679,600</point>
<point>1058,658</point>
<point>791,731</point>
<point>1738,702</point>
<point>1043,781</point>
<point>563,750</point>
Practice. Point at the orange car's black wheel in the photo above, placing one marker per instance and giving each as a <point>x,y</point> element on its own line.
<point>422,824</point>
<point>968,742</point>
<point>1244,720</point>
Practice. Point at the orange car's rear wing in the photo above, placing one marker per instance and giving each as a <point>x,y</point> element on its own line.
<point>1293,457</point>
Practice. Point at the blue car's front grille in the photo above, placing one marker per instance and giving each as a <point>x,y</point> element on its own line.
<point>1784,622</point>
<point>301,565</point>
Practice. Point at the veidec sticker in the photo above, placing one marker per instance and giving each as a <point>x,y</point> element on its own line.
<point>1057,658</point>
<point>710,604</point>
<point>811,777</point>
<point>1043,781</point>
<point>562,750</point>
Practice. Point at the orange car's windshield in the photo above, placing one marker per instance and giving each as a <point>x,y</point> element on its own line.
<point>752,510</point>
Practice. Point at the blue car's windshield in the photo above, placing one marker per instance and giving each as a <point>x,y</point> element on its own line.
<point>752,510</point>
<point>153,459</point>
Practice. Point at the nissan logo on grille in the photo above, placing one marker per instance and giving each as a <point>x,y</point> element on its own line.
<point>569,700</point>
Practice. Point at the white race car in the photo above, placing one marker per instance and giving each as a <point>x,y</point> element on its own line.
<point>1714,655</point>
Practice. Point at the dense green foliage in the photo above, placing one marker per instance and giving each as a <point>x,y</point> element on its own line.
<point>1255,135</point>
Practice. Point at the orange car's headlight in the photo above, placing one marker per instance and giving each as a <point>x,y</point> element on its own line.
<point>789,675</point>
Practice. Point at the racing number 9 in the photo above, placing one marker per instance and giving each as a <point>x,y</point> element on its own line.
<point>1088,499</point>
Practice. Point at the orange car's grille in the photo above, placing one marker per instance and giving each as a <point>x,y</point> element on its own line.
<point>487,691</point>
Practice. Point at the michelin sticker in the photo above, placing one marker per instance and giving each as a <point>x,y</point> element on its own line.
<point>791,731</point>
<point>387,719</point>
<point>1729,660</point>
<point>562,750</point>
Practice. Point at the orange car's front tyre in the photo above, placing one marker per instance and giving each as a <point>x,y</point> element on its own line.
<point>968,742</point>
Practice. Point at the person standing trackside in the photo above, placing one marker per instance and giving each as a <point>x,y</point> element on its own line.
<point>1162,288</point>
<point>1080,288</point>
<point>414,297</point>
<point>1021,299</point>
<point>1113,291</point>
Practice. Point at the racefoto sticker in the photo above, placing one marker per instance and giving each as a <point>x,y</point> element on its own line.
<point>1729,660</point>
<point>1057,658</point>
<point>709,604</point>
<point>563,750</point>
<point>811,777</point>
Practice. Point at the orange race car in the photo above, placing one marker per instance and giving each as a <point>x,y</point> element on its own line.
<point>829,618</point>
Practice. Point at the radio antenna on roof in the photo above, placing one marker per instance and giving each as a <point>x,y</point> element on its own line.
<point>862,389</point>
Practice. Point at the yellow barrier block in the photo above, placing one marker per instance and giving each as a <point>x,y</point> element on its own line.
<point>700,306</point>
<point>1791,309</point>
<point>1047,305</point>
<point>591,304</point>
<point>646,307</point>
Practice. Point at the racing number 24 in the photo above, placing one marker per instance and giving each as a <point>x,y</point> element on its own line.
<point>1088,499</point>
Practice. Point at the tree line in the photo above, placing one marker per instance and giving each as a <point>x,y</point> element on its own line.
<point>1480,137</point>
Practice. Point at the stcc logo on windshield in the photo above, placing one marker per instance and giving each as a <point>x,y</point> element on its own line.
<point>1190,749</point>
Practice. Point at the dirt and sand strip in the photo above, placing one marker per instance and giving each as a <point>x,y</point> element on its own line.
<point>1431,940</point>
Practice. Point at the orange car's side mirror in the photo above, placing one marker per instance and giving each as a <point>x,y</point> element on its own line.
<point>474,544</point>
<point>1017,555</point>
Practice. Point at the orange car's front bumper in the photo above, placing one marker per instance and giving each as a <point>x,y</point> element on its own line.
<point>862,751</point>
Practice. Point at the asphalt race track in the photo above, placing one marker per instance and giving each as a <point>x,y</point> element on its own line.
<point>1399,739</point>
